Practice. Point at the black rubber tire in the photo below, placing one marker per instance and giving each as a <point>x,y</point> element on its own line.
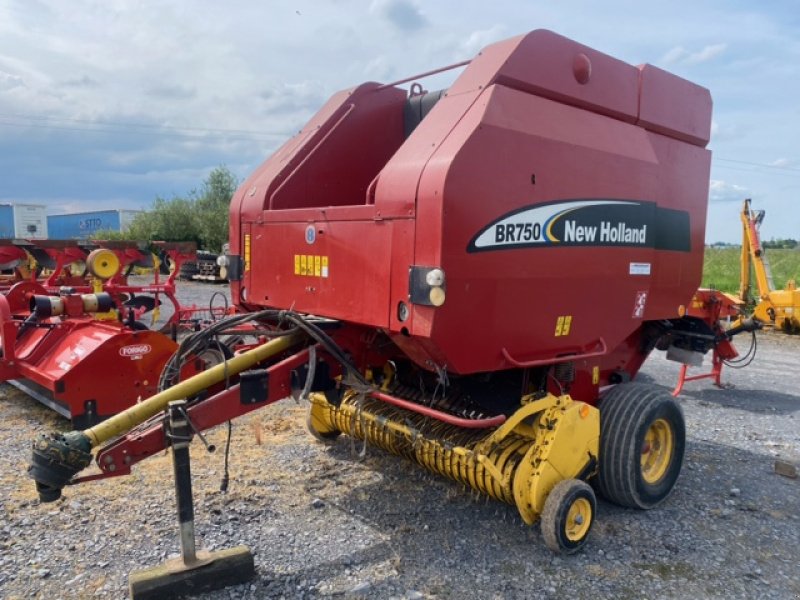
<point>188,270</point>
<point>166,265</point>
<point>626,413</point>
<point>554,519</point>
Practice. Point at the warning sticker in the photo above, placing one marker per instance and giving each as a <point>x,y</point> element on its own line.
<point>311,265</point>
<point>639,304</point>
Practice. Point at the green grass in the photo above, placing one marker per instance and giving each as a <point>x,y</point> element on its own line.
<point>721,268</point>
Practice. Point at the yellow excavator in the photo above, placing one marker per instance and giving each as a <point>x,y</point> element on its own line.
<point>777,308</point>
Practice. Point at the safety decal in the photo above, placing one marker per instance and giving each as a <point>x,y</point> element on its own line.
<point>311,234</point>
<point>637,268</point>
<point>563,325</point>
<point>639,304</point>
<point>587,222</point>
<point>247,249</point>
<point>311,265</point>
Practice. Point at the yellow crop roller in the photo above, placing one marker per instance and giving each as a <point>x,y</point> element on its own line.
<point>536,460</point>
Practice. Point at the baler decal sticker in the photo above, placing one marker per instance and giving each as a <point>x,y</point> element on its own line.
<point>311,265</point>
<point>563,324</point>
<point>587,222</point>
<point>639,304</point>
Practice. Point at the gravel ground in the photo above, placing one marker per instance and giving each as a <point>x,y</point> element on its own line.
<point>323,523</point>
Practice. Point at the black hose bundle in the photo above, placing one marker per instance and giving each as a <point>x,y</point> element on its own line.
<point>196,343</point>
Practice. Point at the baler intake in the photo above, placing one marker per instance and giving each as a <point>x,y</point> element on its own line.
<point>487,266</point>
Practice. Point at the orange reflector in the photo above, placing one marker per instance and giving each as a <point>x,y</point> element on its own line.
<point>584,411</point>
<point>681,310</point>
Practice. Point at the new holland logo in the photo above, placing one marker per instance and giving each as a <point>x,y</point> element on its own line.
<point>589,222</point>
<point>135,351</point>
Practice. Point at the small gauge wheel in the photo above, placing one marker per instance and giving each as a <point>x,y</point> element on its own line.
<point>568,516</point>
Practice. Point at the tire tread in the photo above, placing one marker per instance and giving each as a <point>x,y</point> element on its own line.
<point>622,413</point>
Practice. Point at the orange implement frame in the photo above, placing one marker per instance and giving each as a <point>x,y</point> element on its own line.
<point>713,307</point>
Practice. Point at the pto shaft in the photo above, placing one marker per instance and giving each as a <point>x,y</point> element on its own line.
<point>57,457</point>
<point>139,413</point>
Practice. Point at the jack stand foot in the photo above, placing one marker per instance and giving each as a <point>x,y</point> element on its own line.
<point>172,579</point>
<point>194,571</point>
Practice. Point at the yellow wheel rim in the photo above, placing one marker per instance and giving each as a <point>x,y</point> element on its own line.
<point>657,449</point>
<point>102,263</point>
<point>579,519</point>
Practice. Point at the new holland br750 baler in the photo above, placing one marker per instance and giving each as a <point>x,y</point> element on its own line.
<point>470,278</point>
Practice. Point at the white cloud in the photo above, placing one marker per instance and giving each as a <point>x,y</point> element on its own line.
<point>674,55</point>
<point>681,56</point>
<point>723,191</point>
<point>707,53</point>
<point>9,81</point>
<point>481,38</point>
<point>303,96</point>
<point>379,69</point>
<point>725,131</point>
<point>782,162</point>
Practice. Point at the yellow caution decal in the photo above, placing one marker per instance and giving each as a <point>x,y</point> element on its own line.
<point>311,265</point>
<point>563,325</point>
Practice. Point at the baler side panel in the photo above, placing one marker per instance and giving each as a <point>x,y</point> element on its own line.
<point>329,165</point>
<point>544,136</point>
<point>345,274</point>
<point>682,182</point>
<point>484,170</point>
<point>332,160</point>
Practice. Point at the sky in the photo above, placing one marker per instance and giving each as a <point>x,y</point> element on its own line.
<point>111,103</point>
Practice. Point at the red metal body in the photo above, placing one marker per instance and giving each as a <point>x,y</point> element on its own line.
<point>85,368</point>
<point>551,184</point>
<point>81,367</point>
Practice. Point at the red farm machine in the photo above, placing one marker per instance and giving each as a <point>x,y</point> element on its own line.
<point>470,278</point>
<point>74,338</point>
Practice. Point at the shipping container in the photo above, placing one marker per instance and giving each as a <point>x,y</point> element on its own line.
<point>7,222</point>
<point>26,221</point>
<point>87,224</point>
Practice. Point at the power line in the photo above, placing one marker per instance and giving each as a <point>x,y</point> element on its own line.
<point>755,164</point>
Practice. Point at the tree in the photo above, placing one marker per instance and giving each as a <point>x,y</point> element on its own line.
<point>202,217</point>
<point>211,206</point>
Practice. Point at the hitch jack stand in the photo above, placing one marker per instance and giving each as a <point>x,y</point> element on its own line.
<point>715,374</point>
<point>194,571</point>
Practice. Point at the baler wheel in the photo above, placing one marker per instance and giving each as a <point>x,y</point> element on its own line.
<point>642,441</point>
<point>568,515</point>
